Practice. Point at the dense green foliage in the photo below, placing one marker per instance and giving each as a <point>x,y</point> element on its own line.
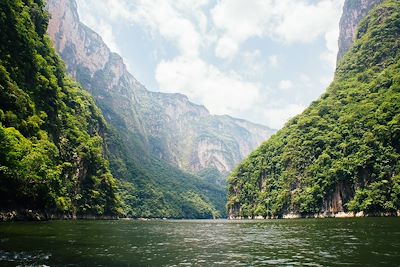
<point>150,187</point>
<point>348,139</point>
<point>51,133</point>
<point>57,150</point>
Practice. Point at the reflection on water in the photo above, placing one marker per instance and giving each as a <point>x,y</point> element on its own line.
<point>312,242</point>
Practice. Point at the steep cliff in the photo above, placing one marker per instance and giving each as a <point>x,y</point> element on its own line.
<point>353,12</point>
<point>342,154</point>
<point>148,186</point>
<point>52,135</point>
<point>58,155</point>
<point>168,126</point>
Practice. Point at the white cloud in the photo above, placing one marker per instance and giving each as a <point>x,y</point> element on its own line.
<point>239,20</point>
<point>273,60</point>
<point>285,85</point>
<point>173,20</point>
<point>221,93</point>
<point>226,48</point>
<point>252,65</point>
<point>303,22</point>
<point>105,9</point>
<point>277,116</point>
<point>198,28</point>
<point>165,18</point>
<point>184,24</point>
<point>331,39</point>
<point>285,20</point>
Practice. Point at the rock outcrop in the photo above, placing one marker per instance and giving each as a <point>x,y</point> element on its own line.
<point>169,126</point>
<point>340,156</point>
<point>353,12</point>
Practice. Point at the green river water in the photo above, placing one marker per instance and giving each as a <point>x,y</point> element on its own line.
<point>308,242</point>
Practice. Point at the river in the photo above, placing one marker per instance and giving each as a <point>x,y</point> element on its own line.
<point>299,242</point>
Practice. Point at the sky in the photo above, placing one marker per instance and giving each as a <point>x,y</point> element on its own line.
<point>260,60</point>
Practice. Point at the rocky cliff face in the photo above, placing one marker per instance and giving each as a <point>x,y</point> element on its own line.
<point>169,126</point>
<point>90,62</point>
<point>353,12</point>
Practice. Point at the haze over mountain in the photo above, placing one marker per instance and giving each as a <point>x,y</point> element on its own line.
<point>168,126</point>
<point>271,57</point>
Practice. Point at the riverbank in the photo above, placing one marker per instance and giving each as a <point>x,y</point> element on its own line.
<point>321,215</point>
<point>32,215</point>
<point>341,215</point>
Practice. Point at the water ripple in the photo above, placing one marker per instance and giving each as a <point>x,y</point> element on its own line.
<point>355,242</point>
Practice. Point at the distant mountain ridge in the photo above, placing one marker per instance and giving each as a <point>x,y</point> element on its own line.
<point>168,126</point>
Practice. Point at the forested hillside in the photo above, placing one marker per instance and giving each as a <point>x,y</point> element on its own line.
<point>58,155</point>
<point>52,155</point>
<point>342,153</point>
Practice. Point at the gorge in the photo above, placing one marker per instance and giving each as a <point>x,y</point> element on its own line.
<point>105,146</point>
<point>104,172</point>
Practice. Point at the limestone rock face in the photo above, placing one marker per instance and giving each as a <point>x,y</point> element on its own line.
<point>353,12</point>
<point>64,26</point>
<point>168,126</point>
